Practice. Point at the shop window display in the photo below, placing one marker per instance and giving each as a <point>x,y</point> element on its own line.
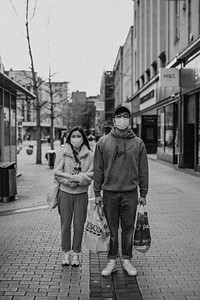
<point>169,129</point>
<point>199,137</point>
<point>161,128</point>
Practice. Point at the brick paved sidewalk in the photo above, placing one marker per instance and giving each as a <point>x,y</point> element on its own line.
<point>30,244</point>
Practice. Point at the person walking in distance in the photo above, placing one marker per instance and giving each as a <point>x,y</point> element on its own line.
<point>120,173</point>
<point>74,172</point>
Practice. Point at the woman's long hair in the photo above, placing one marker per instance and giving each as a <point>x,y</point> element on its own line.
<point>85,140</point>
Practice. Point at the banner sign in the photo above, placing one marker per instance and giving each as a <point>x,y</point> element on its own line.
<point>169,77</point>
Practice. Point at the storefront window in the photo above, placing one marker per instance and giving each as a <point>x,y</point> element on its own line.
<point>161,128</point>
<point>13,127</point>
<point>169,129</point>
<point>199,136</point>
<point>6,119</point>
<point>13,121</point>
<point>6,126</point>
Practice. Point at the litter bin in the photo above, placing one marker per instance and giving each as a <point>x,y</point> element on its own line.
<point>51,158</point>
<point>8,186</point>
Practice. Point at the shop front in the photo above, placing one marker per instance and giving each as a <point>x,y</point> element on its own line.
<point>191,115</point>
<point>9,91</point>
<point>157,119</point>
<point>145,118</point>
<point>168,132</point>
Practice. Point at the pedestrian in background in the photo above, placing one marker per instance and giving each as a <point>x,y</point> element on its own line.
<point>74,172</point>
<point>120,168</point>
<point>92,143</point>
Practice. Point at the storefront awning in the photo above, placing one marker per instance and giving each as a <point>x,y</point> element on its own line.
<point>7,83</point>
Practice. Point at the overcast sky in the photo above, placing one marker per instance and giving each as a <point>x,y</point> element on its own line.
<point>83,38</point>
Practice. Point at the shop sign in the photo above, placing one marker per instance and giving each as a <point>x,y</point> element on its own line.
<point>149,119</point>
<point>168,77</point>
<point>197,73</point>
<point>148,97</point>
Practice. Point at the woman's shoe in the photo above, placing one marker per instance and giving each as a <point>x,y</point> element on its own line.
<point>75,259</point>
<point>66,259</point>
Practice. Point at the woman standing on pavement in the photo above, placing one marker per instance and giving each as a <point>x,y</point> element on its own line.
<point>74,171</point>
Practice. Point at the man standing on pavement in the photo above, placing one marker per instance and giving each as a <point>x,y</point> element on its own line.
<point>120,169</point>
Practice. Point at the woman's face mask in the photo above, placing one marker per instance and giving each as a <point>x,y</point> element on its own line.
<point>122,121</point>
<point>76,139</point>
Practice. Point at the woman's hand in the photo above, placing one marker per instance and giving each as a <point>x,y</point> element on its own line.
<point>72,184</point>
<point>75,178</point>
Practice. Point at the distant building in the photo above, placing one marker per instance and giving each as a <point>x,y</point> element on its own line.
<point>83,111</point>
<point>107,96</point>
<point>26,108</point>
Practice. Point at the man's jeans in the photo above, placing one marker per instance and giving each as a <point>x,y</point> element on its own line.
<point>120,206</point>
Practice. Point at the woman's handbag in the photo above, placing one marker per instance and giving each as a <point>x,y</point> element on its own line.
<point>97,234</point>
<point>52,196</point>
<point>141,237</point>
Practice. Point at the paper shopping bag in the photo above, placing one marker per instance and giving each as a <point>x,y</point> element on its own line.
<point>97,234</point>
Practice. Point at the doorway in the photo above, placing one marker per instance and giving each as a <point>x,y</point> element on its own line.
<point>189,132</point>
<point>1,134</point>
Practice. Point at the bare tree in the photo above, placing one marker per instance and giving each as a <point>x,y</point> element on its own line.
<point>35,86</point>
<point>57,94</point>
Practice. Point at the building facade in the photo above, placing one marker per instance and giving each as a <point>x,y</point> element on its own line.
<point>107,96</point>
<point>166,79</point>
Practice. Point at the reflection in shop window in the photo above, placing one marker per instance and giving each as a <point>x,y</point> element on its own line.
<point>169,129</point>
<point>13,127</point>
<point>161,130</point>
<point>199,136</point>
<point>6,126</point>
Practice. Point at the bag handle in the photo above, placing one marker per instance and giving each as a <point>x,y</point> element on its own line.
<point>141,208</point>
<point>99,210</point>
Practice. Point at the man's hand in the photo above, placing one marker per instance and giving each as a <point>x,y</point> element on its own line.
<point>142,201</point>
<point>98,200</point>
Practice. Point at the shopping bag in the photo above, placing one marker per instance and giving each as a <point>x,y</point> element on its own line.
<point>52,196</point>
<point>142,237</point>
<point>97,234</point>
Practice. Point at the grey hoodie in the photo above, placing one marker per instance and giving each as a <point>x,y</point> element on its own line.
<point>120,163</point>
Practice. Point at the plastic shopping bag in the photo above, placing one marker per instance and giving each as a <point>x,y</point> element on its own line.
<point>142,237</point>
<point>97,234</point>
<point>52,196</point>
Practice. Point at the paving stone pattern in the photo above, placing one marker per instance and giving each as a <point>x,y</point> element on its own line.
<point>30,252</point>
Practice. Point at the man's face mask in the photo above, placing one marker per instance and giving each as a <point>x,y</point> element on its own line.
<point>122,121</point>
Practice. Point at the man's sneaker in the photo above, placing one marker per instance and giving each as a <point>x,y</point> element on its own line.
<point>110,268</point>
<point>75,259</point>
<point>131,271</point>
<point>66,259</point>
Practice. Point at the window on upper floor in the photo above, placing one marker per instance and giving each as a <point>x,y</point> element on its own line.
<point>142,80</point>
<point>155,67</point>
<point>148,74</point>
<point>138,84</point>
<point>162,57</point>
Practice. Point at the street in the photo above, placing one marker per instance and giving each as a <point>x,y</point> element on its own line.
<point>30,242</point>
